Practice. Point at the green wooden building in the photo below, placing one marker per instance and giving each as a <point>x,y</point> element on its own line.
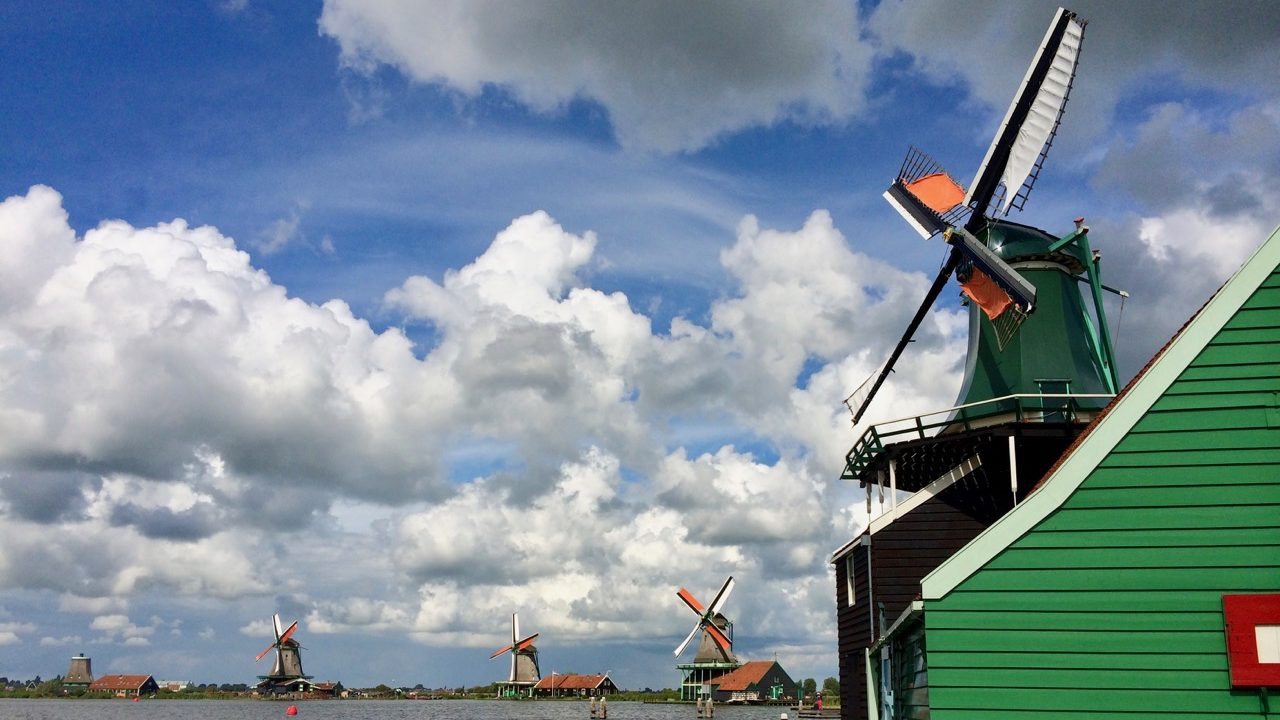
<point>1101,594</point>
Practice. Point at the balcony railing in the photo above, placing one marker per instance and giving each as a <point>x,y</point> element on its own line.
<point>1018,408</point>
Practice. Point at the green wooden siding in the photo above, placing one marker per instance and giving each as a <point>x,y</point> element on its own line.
<point>1111,606</point>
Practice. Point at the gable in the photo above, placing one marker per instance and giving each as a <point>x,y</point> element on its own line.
<point>1221,372</point>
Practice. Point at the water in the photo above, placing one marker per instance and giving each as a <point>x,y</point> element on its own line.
<point>20,709</point>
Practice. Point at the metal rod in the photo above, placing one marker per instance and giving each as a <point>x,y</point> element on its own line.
<point>1104,332</point>
<point>1104,286</point>
<point>871,614</point>
<point>934,290</point>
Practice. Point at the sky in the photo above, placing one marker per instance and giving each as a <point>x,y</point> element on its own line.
<point>396,318</point>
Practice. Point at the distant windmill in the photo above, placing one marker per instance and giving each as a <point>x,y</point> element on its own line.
<point>717,631</point>
<point>80,672</point>
<point>524,660</point>
<point>287,669</point>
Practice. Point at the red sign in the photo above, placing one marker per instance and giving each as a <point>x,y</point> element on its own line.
<point>1253,639</point>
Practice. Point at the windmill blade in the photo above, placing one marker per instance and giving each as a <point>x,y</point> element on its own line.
<point>721,597</point>
<point>689,639</point>
<point>1031,120</point>
<point>503,649</point>
<point>263,654</point>
<point>281,636</point>
<point>1022,293</point>
<point>934,290</point>
<point>526,642</point>
<point>925,195</point>
<point>719,637</point>
<point>691,601</point>
<point>918,215</point>
<point>982,290</point>
<point>515,633</point>
<point>288,633</point>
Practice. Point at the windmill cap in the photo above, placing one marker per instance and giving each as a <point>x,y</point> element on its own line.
<point>1013,242</point>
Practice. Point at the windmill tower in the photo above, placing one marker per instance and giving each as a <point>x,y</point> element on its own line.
<point>286,672</point>
<point>524,663</point>
<point>715,648</point>
<point>79,673</point>
<point>1039,367</point>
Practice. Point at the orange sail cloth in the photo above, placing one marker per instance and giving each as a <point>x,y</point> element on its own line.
<point>938,192</point>
<point>986,293</point>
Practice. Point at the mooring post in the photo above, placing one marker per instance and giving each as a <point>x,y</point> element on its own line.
<point>604,707</point>
<point>593,707</point>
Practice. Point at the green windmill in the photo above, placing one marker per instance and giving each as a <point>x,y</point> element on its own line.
<point>1039,343</point>
<point>1007,270</point>
<point>1039,368</point>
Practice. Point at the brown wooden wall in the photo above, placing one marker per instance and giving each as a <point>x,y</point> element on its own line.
<point>901,555</point>
<point>852,626</point>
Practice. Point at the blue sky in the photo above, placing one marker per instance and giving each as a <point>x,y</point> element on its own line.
<point>398,317</point>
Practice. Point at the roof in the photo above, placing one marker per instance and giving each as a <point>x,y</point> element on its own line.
<point>745,676</point>
<point>120,682</point>
<point>571,682</point>
<point>1111,427</point>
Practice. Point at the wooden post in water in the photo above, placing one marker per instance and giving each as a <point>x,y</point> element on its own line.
<point>594,710</point>
<point>604,708</point>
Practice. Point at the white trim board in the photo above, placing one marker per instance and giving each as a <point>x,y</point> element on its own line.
<point>863,538</point>
<point>915,608</point>
<point>1111,428</point>
<point>949,478</point>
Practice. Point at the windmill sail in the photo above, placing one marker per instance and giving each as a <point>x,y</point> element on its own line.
<point>1032,119</point>
<point>925,195</point>
<point>989,296</point>
<point>1020,292</point>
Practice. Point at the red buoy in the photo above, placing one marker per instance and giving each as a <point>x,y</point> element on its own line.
<point>135,698</point>
<point>293,710</point>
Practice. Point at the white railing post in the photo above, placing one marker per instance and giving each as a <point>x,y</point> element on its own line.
<point>1013,468</point>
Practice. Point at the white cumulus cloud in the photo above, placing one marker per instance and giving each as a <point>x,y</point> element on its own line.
<point>232,434</point>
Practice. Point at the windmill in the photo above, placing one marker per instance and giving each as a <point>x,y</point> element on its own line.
<point>286,673</point>
<point>985,251</point>
<point>715,650</point>
<point>1038,368</point>
<point>524,661</point>
<point>80,672</point>
<point>717,631</point>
